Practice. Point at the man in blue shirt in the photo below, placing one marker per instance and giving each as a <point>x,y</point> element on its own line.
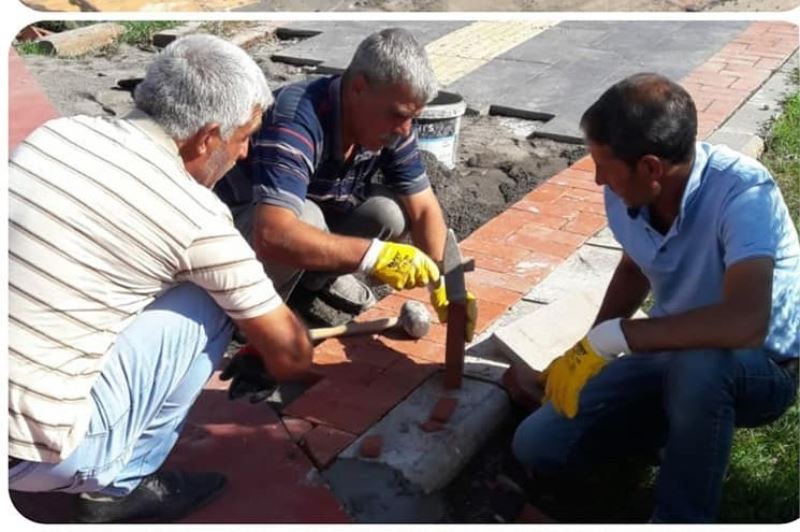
<point>305,199</point>
<point>707,232</point>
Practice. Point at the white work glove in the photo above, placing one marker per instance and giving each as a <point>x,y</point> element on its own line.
<point>608,340</point>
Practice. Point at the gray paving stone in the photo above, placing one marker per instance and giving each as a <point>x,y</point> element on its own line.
<point>587,268</point>
<point>584,60</point>
<point>537,338</point>
<point>336,42</point>
<point>604,238</point>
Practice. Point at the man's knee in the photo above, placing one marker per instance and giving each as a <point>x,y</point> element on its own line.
<point>535,446</point>
<point>190,301</point>
<point>700,369</point>
<point>698,380</point>
<point>389,217</point>
<point>313,215</point>
<point>185,316</point>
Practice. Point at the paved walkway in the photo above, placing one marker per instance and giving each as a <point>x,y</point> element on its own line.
<point>542,70</point>
<point>272,462</point>
<point>28,105</point>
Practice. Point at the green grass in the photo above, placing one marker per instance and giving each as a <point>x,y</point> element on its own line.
<point>782,155</point>
<point>30,48</point>
<point>763,482</point>
<point>136,33</point>
<point>140,32</point>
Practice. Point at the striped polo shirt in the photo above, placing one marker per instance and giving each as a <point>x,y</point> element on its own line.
<point>103,218</point>
<point>297,154</point>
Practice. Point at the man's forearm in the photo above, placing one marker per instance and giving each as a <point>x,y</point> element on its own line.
<point>739,320</point>
<point>429,232</point>
<point>715,326</point>
<point>294,242</point>
<point>282,342</point>
<point>625,293</point>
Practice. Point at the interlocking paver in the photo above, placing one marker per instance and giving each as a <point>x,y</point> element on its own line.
<point>325,443</point>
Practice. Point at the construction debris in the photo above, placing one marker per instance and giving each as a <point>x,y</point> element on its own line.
<point>81,40</point>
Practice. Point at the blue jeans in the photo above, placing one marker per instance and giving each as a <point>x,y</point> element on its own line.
<point>685,402</point>
<point>152,376</point>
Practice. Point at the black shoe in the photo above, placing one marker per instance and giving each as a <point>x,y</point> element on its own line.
<point>160,497</point>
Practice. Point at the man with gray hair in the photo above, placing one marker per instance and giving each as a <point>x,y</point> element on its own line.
<point>126,276</point>
<point>304,197</point>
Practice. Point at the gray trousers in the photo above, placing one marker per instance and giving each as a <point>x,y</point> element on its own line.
<point>379,216</point>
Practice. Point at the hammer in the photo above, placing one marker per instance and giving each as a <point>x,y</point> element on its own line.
<point>414,320</point>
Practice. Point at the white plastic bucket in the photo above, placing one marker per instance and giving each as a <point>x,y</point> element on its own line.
<point>437,127</point>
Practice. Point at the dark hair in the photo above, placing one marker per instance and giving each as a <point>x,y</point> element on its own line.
<point>644,114</point>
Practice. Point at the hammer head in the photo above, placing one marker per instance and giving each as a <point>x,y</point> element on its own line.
<point>415,319</point>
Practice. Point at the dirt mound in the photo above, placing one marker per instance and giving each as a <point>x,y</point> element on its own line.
<point>491,179</point>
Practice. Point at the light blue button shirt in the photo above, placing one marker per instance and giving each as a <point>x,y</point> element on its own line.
<point>731,210</point>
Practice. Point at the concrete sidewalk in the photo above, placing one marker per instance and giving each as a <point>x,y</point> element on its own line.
<point>306,464</point>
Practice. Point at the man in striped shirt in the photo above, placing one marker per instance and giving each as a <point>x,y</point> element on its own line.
<point>304,196</point>
<point>126,276</point>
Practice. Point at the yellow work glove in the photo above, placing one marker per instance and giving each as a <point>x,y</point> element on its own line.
<point>568,374</point>
<point>401,266</point>
<point>440,304</point>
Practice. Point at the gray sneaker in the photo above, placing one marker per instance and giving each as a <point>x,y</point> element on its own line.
<point>347,293</point>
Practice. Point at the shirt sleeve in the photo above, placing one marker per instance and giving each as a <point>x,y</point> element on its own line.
<point>220,261</point>
<point>750,226</point>
<point>282,161</point>
<point>403,169</point>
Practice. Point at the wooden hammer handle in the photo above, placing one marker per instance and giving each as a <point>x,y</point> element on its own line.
<point>353,328</point>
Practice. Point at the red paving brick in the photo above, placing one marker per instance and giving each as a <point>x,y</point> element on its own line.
<point>267,473</point>
<point>371,446</point>
<point>431,425</point>
<point>444,409</point>
<point>421,350</point>
<point>28,106</point>
<point>325,443</point>
<point>523,386</point>
<point>296,427</point>
<point>586,224</point>
<point>341,404</point>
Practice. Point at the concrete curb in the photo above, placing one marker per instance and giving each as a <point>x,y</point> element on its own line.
<point>745,130</point>
<point>401,485</point>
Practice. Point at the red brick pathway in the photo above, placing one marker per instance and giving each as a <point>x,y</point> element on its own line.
<point>271,478</point>
<point>28,106</point>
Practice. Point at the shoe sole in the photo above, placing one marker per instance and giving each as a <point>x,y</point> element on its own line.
<point>199,504</point>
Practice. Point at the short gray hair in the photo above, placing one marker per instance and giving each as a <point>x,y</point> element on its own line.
<point>199,80</point>
<point>393,56</point>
